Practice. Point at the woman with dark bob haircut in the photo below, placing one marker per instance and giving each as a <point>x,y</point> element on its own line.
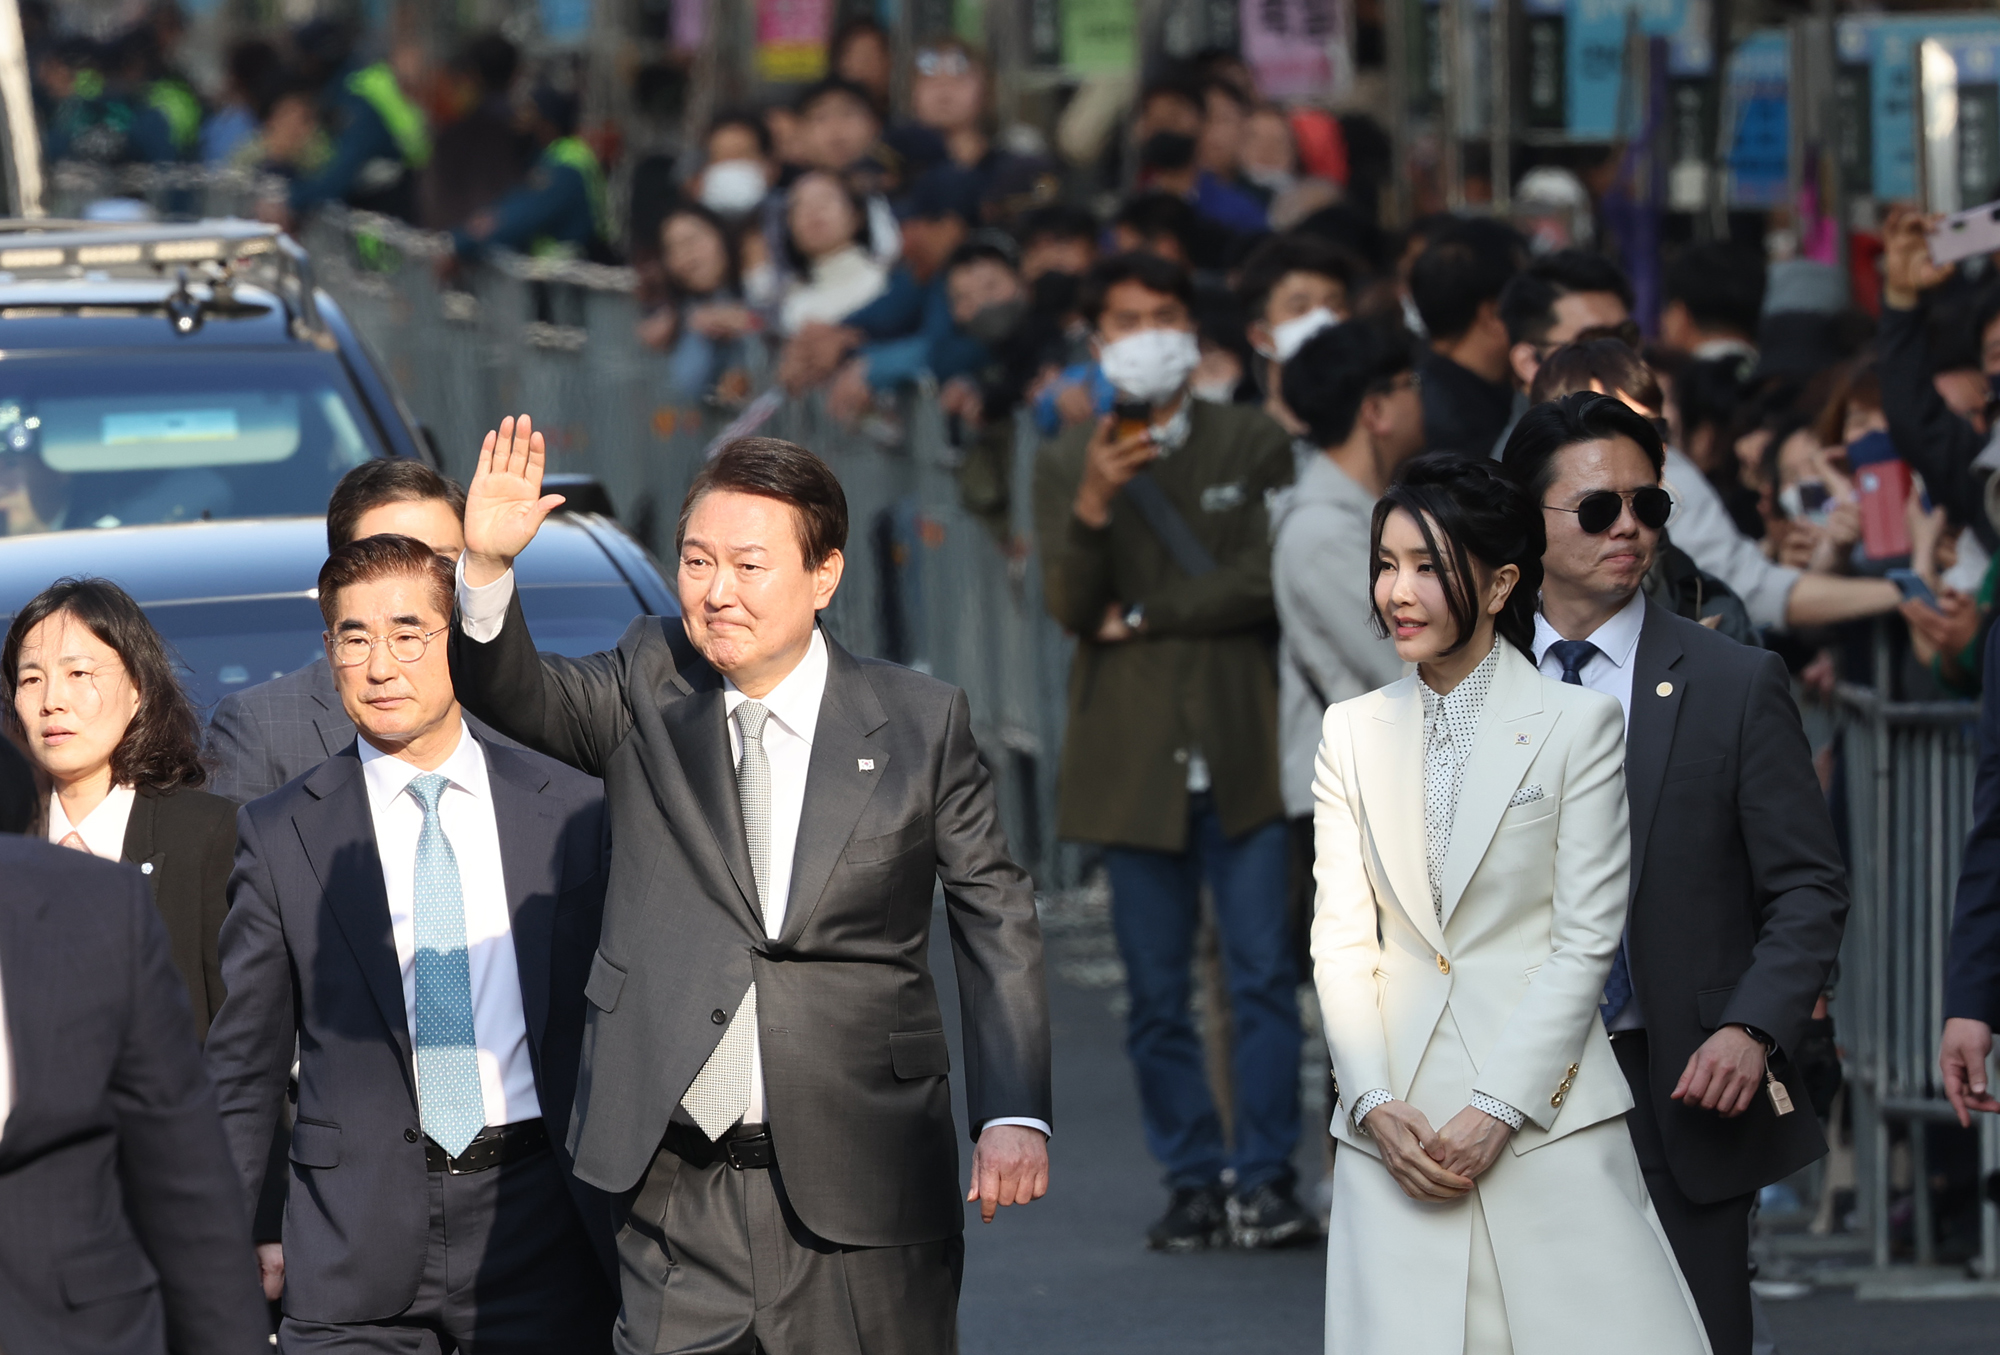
<point>1471,863</point>
<point>103,718</point>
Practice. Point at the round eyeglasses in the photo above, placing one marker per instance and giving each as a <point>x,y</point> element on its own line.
<point>405,646</point>
<point>1597,511</point>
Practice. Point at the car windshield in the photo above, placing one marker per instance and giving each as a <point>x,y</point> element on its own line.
<point>229,643</point>
<point>126,439</point>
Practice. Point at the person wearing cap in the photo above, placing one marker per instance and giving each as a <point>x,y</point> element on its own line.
<point>559,210</point>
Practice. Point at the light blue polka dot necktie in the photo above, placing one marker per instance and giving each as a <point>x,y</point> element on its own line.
<point>448,1098</point>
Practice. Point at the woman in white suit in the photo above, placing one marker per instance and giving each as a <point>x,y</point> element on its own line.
<point>1471,870</point>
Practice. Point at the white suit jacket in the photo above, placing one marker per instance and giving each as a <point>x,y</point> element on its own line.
<point>1534,900</point>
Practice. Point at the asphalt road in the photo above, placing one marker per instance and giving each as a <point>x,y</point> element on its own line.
<point>1070,1273</point>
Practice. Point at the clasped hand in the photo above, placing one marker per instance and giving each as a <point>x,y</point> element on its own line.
<point>1435,1165</point>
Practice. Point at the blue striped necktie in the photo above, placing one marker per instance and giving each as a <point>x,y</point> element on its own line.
<point>448,1098</point>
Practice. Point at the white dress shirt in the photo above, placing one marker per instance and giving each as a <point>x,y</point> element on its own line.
<point>1609,670</point>
<point>788,736</point>
<point>102,829</point>
<point>465,811</point>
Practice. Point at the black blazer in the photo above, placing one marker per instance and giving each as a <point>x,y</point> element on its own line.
<point>1972,964</point>
<point>853,1043</point>
<point>184,842</point>
<point>122,1226</point>
<point>1739,896</point>
<point>307,953</point>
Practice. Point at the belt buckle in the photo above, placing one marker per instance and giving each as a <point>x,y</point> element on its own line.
<point>752,1151</point>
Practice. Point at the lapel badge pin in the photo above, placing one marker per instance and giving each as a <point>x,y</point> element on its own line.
<point>1665,689</point>
<point>146,869</point>
<point>866,764</point>
<point>1520,738</point>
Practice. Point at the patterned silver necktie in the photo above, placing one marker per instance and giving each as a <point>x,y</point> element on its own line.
<point>720,1092</point>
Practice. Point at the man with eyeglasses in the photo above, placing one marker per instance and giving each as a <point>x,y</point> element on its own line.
<point>417,916</point>
<point>1738,894</point>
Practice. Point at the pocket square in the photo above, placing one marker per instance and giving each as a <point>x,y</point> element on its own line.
<point>1526,795</point>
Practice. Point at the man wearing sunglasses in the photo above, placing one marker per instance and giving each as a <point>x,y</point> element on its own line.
<point>1738,893</point>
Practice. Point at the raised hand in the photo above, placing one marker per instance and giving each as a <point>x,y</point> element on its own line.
<point>504,506</point>
<point>1907,270</point>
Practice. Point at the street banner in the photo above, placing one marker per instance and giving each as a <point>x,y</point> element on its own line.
<point>1877,55</point>
<point>791,39</point>
<point>1760,144</point>
<point>1100,37</point>
<point>1294,47</point>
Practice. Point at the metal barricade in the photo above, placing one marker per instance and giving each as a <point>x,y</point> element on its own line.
<point>1908,773</point>
<point>928,583</point>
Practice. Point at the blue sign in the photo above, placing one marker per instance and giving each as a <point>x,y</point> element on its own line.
<point>1595,56</point>
<point>1888,47</point>
<point>1760,147</point>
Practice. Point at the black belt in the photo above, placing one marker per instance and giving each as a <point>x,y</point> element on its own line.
<point>741,1147</point>
<point>495,1146</point>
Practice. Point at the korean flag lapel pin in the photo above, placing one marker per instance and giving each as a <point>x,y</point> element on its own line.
<point>866,764</point>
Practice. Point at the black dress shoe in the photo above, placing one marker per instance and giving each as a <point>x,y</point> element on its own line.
<point>1269,1216</point>
<point>1195,1220</point>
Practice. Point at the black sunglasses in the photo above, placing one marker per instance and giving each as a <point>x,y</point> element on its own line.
<point>1598,510</point>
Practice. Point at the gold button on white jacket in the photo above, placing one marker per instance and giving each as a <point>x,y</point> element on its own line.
<point>1534,900</point>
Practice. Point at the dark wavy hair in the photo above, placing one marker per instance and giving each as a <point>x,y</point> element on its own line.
<point>1467,511</point>
<point>162,746</point>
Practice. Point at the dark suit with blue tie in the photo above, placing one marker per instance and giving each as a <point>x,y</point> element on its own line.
<point>308,951</point>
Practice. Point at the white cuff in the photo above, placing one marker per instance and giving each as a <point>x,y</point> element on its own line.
<point>1380,1096</point>
<point>1499,1110</point>
<point>482,611</point>
<point>1023,1120</point>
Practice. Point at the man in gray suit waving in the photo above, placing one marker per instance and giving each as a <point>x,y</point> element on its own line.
<point>764,1060</point>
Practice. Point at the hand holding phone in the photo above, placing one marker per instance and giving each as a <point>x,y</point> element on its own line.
<point>1913,588</point>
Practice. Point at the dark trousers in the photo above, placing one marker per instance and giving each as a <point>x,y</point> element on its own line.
<point>714,1262</point>
<point>1711,1241</point>
<point>1155,912</point>
<point>509,1269</point>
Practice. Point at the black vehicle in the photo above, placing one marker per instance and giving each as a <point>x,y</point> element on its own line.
<point>237,600</point>
<point>176,405</point>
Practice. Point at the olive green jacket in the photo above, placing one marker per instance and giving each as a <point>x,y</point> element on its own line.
<point>1202,673</point>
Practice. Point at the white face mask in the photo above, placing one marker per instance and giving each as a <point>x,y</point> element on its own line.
<point>1215,392</point>
<point>733,187</point>
<point>1151,365</point>
<point>1288,338</point>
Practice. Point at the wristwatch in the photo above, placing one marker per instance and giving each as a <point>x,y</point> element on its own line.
<point>1770,1045</point>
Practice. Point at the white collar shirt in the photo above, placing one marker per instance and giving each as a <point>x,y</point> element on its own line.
<point>465,812</point>
<point>788,738</point>
<point>1609,670</point>
<point>102,829</point>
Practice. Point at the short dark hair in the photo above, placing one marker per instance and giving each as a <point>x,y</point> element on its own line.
<point>395,479</point>
<point>1151,215</point>
<point>1173,87</point>
<point>1528,303</point>
<point>1148,270</point>
<point>835,87</point>
<point>1722,285</point>
<point>1712,392</point>
<point>749,120</point>
<point>1610,363</point>
<point>732,247</point>
<point>1460,271</point>
<point>1583,416</point>
<point>161,748</point>
<point>787,472</point>
<point>1282,255</point>
<point>1467,511</point>
<point>1336,369</point>
<point>371,558</point>
<point>1057,221</point>
<point>491,60</point>
<point>1228,89</point>
<point>795,257</point>
<point>977,251</point>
